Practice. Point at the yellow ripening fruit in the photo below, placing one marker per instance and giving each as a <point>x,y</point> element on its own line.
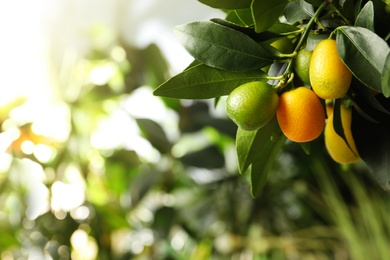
<point>302,65</point>
<point>300,115</point>
<point>336,146</point>
<point>252,105</point>
<point>329,77</point>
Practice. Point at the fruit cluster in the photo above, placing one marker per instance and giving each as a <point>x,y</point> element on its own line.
<point>294,69</point>
<point>299,111</point>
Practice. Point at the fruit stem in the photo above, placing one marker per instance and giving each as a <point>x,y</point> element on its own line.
<point>303,38</point>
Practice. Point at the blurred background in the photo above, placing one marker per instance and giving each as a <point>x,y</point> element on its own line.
<point>93,166</point>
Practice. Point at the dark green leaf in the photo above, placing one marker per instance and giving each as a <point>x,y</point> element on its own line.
<point>227,4</point>
<point>382,18</point>
<point>251,144</point>
<point>197,116</point>
<point>282,28</point>
<point>154,133</point>
<point>348,9</point>
<point>266,13</point>
<point>386,77</point>
<point>364,97</point>
<point>358,8</point>
<point>337,121</point>
<point>202,82</point>
<point>364,53</point>
<point>163,220</point>
<point>373,144</point>
<point>209,157</point>
<point>240,17</point>
<point>141,185</point>
<point>221,47</point>
<point>264,160</point>
<point>295,13</point>
<point>237,27</point>
<point>314,2</point>
<point>366,17</point>
<point>306,147</point>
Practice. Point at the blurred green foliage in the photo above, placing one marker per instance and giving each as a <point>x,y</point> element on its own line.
<point>91,202</point>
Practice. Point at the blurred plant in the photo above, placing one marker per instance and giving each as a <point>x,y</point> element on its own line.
<point>112,181</point>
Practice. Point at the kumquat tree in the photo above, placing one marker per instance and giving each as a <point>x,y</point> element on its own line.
<point>294,70</point>
<point>261,131</point>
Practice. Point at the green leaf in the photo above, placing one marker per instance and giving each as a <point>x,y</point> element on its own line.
<point>251,145</point>
<point>266,13</point>
<point>264,160</point>
<point>364,53</point>
<point>164,219</point>
<point>314,2</point>
<point>337,122</point>
<point>202,82</point>
<point>367,101</point>
<point>243,17</point>
<point>366,17</point>
<point>314,39</point>
<point>282,28</point>
<point>295,13</point>
<point>221,47</point>
<point>154,133</point>
<point>386,77</point>
<point>373,144</point>
<point>306,147</point>
<point>209,158</point>
<point>227,4</point>
<point>237,27</point>
<point>142,184</point>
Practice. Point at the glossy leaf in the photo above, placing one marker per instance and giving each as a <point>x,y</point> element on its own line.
<point>265,158</point>
<point>266,13</point>
<point>227,4</point>
<point>366,17</point>
<point>251,144</point>
<point>222,47</point>
<point>202,82</point>
<point>282,28</point>
<point>373,144</point>
<point>295,13</point>
<point>364,53</point>
<point>244,17</point>
<point>237,26</point>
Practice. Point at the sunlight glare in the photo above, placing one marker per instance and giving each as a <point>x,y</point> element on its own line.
<point>44,153</point>
<point>7,137</point>
<point>102,73</point>
<point>66,196</point>
<point>27,147</point>
<point>84,246</point>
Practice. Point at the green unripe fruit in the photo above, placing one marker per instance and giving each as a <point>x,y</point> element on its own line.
<point>302,66</point>
<point>252,105</point>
